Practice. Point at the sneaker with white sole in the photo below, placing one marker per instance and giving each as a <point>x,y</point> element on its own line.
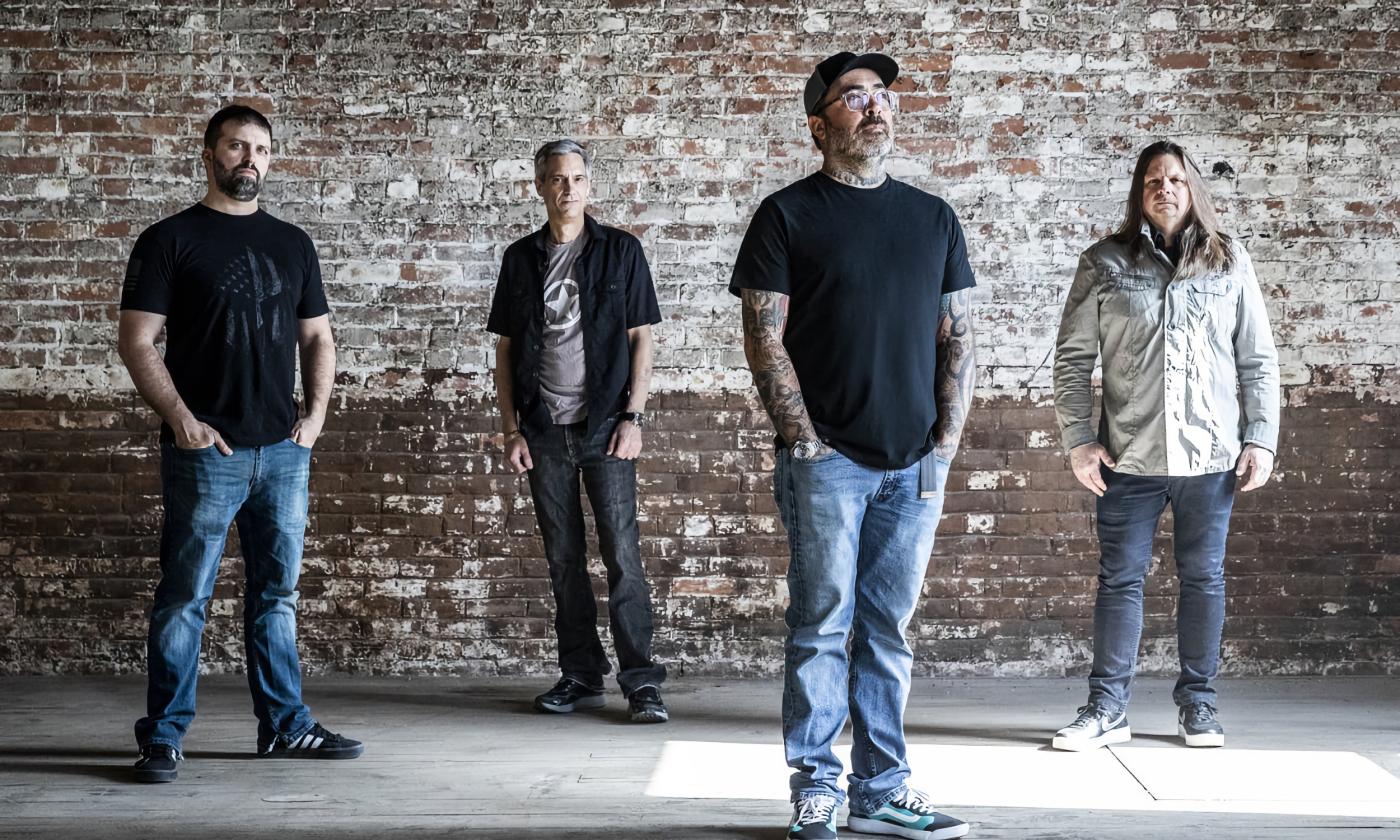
<point>1197,724</point>
<point>1095,727</point>
<point>910,814</point>
<point>814,818</point>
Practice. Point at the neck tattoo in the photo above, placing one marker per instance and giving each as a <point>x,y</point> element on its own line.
<point>866,174</point>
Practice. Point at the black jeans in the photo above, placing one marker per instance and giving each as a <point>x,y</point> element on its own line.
<point>560,455</point>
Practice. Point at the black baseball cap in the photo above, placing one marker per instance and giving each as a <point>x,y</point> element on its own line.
<point>837,65</point>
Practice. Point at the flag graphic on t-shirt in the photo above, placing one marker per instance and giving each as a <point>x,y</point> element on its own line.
<point>252,286</point>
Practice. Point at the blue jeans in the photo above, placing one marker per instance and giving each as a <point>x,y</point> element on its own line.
<point>859,541</point>
<point>1127,520</point>
<point>561,455</point>
<point>264,490</point>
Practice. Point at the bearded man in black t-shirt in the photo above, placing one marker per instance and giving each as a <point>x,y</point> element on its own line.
<point>856,296</point>
<point>238,294</point>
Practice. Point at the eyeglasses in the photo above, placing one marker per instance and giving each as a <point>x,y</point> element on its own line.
<point>859,100</point>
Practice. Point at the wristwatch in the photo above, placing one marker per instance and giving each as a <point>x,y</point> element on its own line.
<point>636,418</point>
<point>805,450</point>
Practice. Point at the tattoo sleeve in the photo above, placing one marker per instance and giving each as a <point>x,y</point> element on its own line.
<point>956,373</point>
<point>765,317</point>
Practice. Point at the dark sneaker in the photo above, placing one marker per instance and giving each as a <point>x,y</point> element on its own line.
<point>316,743</point>
<point>814,818</point>
<point>644,706</point>
<point>1197,724</point>
<point>570,695</point>
<point>158,763</point>
<point>911,815</point>
<point>1095,727</point>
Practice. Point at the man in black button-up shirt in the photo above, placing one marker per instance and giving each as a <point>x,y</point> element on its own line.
<point>574,307</point>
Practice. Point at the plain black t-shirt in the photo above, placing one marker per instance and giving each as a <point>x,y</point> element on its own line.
<point>864,270</point>
<point>232,289</point>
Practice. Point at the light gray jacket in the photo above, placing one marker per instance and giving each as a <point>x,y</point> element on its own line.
<point>1180,358</point>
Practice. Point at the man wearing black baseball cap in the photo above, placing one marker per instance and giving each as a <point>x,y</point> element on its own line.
<point>856,296</point>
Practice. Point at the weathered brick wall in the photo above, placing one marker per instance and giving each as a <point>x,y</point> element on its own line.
<point>403,135</point>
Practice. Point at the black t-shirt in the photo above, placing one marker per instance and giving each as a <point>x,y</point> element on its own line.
<point>864,270</point>
<point>232,289</point>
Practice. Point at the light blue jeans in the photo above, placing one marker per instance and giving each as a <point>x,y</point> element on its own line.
<point>860,540</point>
<point>264,490</point>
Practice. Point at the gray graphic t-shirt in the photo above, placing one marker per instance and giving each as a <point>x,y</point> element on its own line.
<point>562,379</point>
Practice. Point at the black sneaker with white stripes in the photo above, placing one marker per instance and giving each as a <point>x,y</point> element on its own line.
<point>316,743</point>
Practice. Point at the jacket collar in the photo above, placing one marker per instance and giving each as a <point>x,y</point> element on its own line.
<point>1147,230</point>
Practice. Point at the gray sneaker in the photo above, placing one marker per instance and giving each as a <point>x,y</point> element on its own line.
<point>1095,727</point>
<point>1197,724</point>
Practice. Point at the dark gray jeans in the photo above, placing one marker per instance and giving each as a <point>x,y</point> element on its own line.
<point>1127,520</point>
<point>561,455</point>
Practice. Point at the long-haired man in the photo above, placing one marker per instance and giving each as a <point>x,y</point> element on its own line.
<point>1190,410</point>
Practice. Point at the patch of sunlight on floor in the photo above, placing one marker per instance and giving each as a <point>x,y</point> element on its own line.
<point>1124,778</point>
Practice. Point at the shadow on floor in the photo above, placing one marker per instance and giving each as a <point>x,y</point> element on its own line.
<point>63,752</point>
<point>105,772</point>
<point>356,832</point>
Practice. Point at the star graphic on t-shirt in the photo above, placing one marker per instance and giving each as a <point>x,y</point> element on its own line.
<point>561,304</point>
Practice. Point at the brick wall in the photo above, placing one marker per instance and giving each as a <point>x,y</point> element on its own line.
<point>403,137</point>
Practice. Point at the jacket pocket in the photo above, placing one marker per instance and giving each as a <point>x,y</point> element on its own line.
<point>1208,302</point>
<point>1208,286</point>
<point>1128,282</point>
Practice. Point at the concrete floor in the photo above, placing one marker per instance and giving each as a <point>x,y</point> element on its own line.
<point>469,758</point>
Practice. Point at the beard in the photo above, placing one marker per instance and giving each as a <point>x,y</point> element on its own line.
<point>237,184</point>
<point>860,143</point>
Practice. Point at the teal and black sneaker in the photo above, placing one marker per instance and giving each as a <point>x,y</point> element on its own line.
<point>911,815</point>
<point>814,818</point>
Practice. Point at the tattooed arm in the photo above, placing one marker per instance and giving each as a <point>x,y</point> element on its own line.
<point>955,376</point>
<point>765,318</point>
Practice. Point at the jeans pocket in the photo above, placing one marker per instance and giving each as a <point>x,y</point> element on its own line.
<point>830,456</point>
<point>293,442</point>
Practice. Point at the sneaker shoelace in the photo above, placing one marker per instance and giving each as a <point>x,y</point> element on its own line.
<point>815,809</point>
<point>1089,714</point>
<point>1200,713</point>
<point>916,801</point>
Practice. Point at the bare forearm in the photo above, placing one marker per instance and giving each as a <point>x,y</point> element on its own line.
<point>956,374</point>
<point>765,316</point>
<point>505,387</point>
<point>639,386</point>
<point>153,383</point>
<point>318,375</point>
